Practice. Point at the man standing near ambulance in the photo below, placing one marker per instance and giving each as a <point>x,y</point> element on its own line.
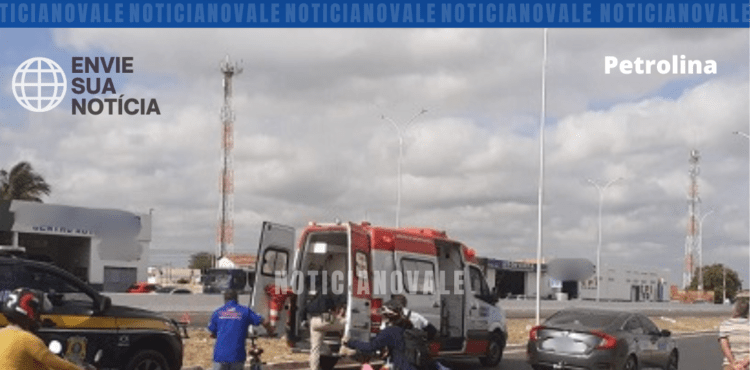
<point>229,325</point>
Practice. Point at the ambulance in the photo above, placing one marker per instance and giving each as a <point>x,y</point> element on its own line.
<point>439,277</point>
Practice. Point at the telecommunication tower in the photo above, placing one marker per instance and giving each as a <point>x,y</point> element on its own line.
<point>225,232</point>
<point>694,201</point>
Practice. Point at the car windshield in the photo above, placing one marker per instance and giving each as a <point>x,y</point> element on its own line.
<point>8,279</point>
<point>51,283</point>
<point>591,320</point>
<point>59,288</point>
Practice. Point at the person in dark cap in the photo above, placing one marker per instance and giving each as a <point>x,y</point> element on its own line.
<point>391,338</point>
<point>229,325</point>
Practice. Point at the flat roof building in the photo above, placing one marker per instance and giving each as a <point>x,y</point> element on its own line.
<point>108,248</point>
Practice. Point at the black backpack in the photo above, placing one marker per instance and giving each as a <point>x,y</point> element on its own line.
<point>416,349</point>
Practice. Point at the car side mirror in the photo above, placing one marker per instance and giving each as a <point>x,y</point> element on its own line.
<point>665,333</point>
<point>495,294</point>
<point>103,304</point>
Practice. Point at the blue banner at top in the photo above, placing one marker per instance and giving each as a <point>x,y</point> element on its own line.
<point>373,14</point>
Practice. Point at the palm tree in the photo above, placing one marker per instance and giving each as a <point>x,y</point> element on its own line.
<point>22,183</point>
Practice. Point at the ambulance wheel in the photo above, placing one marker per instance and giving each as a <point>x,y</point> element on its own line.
<point>328,362</point>
<point>495,349</point>
<point>147,360</point>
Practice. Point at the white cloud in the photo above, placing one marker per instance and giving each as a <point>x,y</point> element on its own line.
<point>309,142</point>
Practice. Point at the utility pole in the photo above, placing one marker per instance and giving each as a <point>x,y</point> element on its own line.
<point>540,186</point>
<point>700,250</point>
<point>601,190</point>
<point>724,269</point>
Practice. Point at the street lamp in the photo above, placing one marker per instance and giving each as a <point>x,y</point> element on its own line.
<point>746,137</point>
<point>400,131</point>
<point>601,190</point>
<point>540,187</point>
<point>700,249</point>
<point>724,270</point>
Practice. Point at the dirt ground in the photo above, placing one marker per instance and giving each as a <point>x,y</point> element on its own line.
<point>199,347</point>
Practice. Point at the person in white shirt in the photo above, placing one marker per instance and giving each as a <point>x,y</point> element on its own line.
<point>733,338</point>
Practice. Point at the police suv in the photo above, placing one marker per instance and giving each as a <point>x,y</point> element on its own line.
<point>85,321</point>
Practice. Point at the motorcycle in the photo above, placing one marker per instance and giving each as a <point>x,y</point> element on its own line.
<point>254,352</point>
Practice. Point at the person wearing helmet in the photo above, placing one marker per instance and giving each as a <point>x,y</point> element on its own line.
<point>20,349</point>
<point>391,338</point>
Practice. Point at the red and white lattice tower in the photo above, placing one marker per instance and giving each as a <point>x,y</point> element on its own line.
<point>694,201</point>
<point>225,231</point>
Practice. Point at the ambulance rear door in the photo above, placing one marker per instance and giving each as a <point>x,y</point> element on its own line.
<point>272,269</point>
<point>360,284</point>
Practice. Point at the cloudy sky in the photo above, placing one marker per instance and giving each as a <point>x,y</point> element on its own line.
<point>311,144</point>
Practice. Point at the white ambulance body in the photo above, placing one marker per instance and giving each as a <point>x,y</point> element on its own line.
<point>438,276</point>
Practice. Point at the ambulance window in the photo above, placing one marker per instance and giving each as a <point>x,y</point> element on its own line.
<point>418,276</point>
<point>274,262</point>
<point>478,284</point>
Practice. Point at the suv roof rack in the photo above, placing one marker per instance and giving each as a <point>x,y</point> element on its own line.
<point>11,250</point>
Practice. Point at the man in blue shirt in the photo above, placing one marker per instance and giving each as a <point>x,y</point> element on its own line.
<point>229,325</point>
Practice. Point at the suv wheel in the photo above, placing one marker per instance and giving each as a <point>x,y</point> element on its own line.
<point>494,350</point>
<point>147,360</point>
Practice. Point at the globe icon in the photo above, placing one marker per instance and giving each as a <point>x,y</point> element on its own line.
<point>39,84</point>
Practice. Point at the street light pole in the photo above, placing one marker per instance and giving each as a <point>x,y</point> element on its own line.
<point>399,130</point>
<point>601,190</point>
<point>747,137</point>
<point>700,250</point>
<point>540,187</point>
<point>724,270</point>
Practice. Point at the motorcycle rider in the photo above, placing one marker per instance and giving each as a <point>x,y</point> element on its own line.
<point>20,348</point>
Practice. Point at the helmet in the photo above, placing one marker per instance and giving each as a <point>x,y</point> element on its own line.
<point>23,306</point>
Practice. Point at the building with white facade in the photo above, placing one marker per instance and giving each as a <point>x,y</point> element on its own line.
<point>628,283</point>
<point>107,248</point>
<point>618,283</point>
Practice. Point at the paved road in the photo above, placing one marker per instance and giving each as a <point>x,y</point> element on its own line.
<point>697,352</point>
